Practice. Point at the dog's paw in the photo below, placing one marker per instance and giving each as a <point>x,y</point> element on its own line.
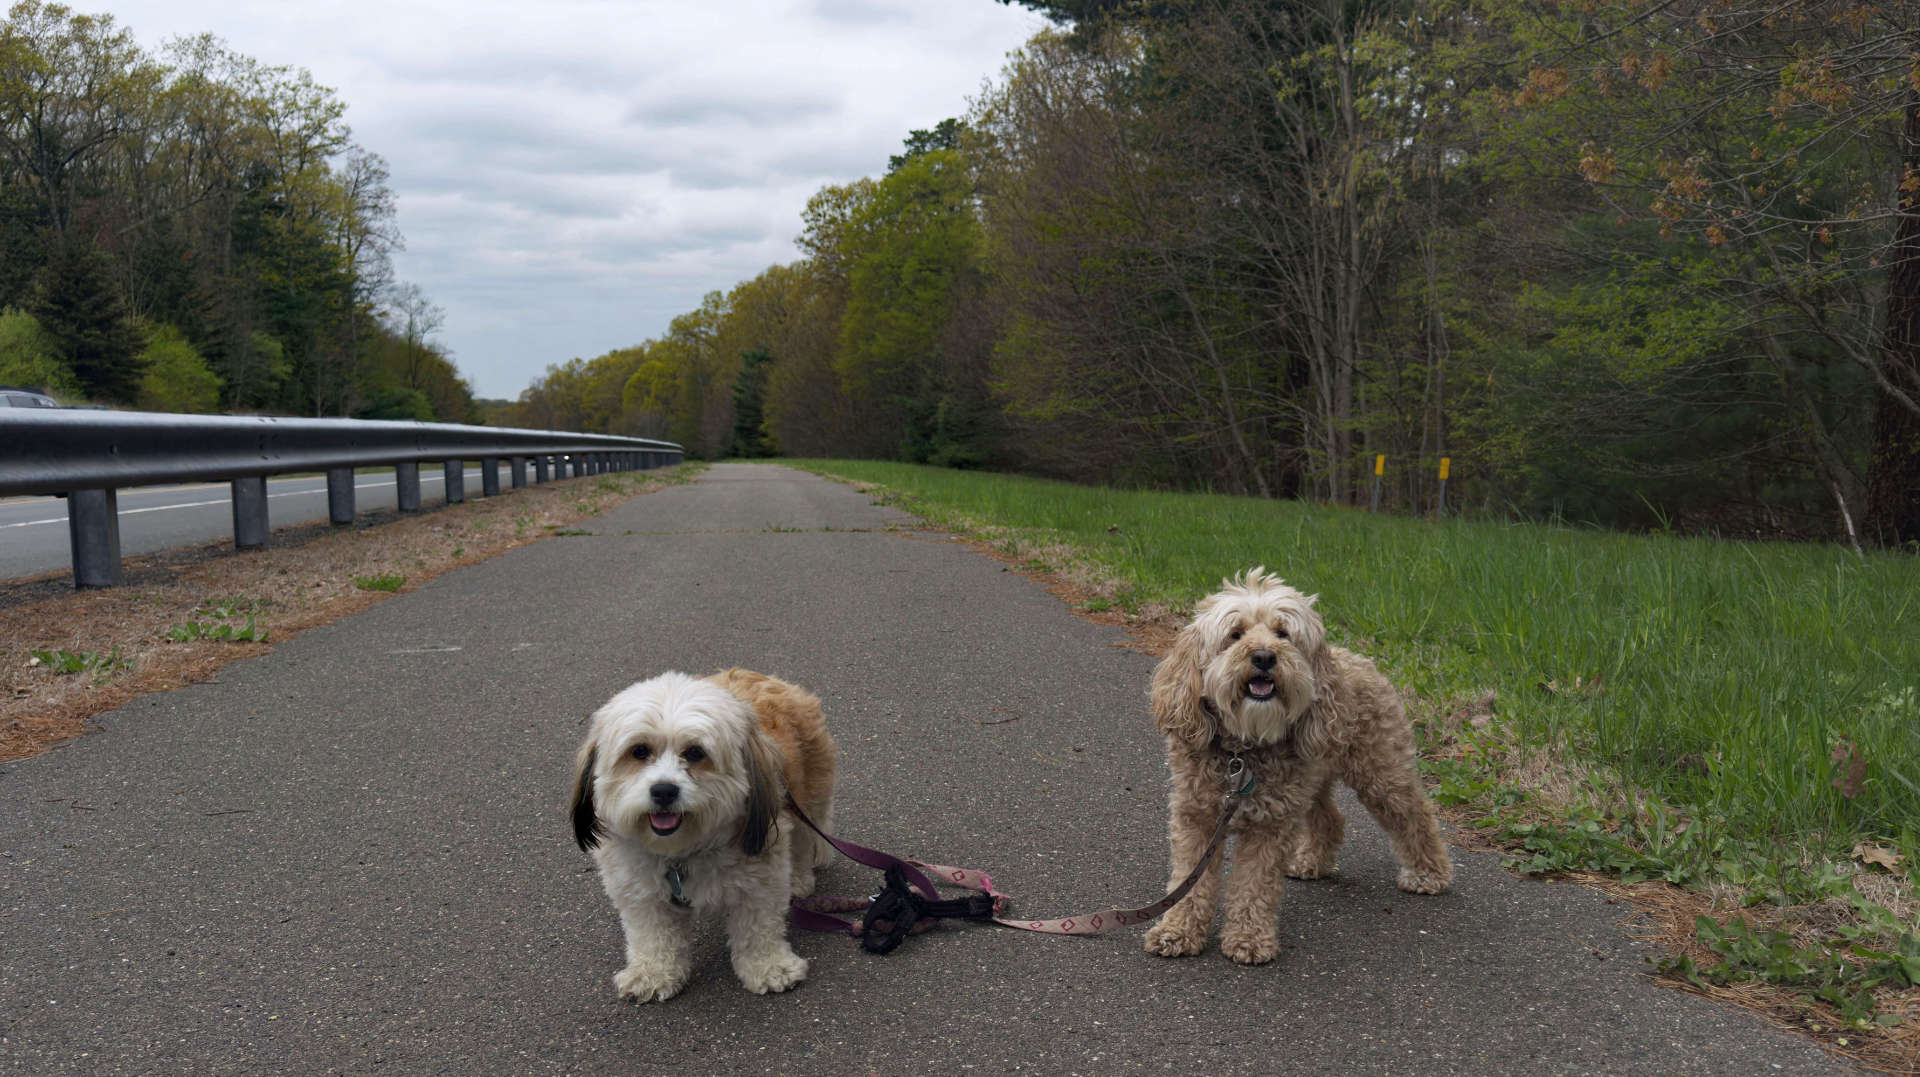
<point>1303,866</point>
<point>1253,948</point>
<point>1425,882</point>
<point>771,973</point>
<point>1176,940</point>
<point>649,982</point>
<point>802,881</point>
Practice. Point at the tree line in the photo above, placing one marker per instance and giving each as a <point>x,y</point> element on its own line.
<point>1638,265</point>
<point>193,230</point>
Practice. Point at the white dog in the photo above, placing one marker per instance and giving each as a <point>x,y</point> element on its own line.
<point>679,793</point>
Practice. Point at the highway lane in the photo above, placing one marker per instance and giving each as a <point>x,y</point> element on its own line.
<point>33,530</point>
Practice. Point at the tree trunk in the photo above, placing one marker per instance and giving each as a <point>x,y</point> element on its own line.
<point>1893,477</point>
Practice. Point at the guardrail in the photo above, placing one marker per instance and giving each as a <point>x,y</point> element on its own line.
<point>88,456</point>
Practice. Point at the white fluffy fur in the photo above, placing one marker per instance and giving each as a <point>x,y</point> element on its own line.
<point>709,745</point>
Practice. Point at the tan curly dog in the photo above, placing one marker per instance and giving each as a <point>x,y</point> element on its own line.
<point>1252,677</point>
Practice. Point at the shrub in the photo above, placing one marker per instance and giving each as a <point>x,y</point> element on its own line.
<point>29,357</point>
<point>177,378</point>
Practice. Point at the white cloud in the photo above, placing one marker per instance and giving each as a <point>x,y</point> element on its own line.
<point>571,175</point>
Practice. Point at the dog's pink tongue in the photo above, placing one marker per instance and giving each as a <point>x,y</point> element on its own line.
<point>1261,688</point>
<point>664,820</point>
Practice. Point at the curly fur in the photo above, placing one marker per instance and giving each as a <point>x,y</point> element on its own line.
<point>1252,677</point>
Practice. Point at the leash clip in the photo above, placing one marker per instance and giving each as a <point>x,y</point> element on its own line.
<point>676,877</point>
<point>897,909</point>
<point>1236,769</point>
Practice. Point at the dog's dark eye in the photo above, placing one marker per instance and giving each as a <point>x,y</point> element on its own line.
<point>694,754</point>
<point>641,751</point>
<point>1281,632</point>
<point>1235,634</point>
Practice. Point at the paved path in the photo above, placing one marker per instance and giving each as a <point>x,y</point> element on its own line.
<point>352,855</point>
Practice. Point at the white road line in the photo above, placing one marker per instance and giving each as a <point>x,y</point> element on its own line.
<point>221,501</point>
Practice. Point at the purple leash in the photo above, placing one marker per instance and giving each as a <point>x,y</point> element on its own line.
<point>811,914</point>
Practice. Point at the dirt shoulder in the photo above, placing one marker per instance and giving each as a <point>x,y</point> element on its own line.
<point>67,655</point>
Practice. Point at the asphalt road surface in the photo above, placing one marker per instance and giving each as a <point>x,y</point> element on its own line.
<point>352,854</point>
<point>33,530</point>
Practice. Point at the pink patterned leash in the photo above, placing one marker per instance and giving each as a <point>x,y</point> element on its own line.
<point>810,913</point>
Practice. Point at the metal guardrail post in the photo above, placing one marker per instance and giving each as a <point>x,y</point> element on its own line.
<point>93,529</point>
<point>89,455</point>
<point>539,469</point>
<point>340,495</point>
<point>490,477</point>
<point>250,512</point>
<point>406,487</point>
<point>519,466</point>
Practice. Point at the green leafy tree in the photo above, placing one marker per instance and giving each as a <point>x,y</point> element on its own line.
<point>226,196</point>
<point>913,253</point>
<point>176,378</point>
<point>30,358</point>
<point>1784,142</point>
<point>400,403</point>
<point>72,86</point>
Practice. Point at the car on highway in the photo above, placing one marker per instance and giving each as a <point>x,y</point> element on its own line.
<point>12,396</point>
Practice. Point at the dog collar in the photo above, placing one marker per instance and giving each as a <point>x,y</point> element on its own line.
<point>676,877</point>
<point>1234,746</point>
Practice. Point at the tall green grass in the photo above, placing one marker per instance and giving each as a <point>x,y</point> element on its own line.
<point>1729,674</point>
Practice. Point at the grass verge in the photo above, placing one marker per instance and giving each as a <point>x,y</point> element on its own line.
<point>1722,731</point>
<point>68,655</point>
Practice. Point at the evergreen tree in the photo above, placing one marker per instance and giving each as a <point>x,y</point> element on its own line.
<point>749,400</point>
<point>80,307</point>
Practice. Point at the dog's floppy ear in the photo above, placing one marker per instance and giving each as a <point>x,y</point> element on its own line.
<point>766,790</point>
<point>587,828</point>
<point>1310,729</point>
<point>1176,697</point>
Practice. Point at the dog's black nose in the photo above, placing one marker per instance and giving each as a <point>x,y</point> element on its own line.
<point>664,792</point>
<point>1263,659</point>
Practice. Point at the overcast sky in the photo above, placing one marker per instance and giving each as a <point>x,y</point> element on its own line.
<point>571,174</point>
